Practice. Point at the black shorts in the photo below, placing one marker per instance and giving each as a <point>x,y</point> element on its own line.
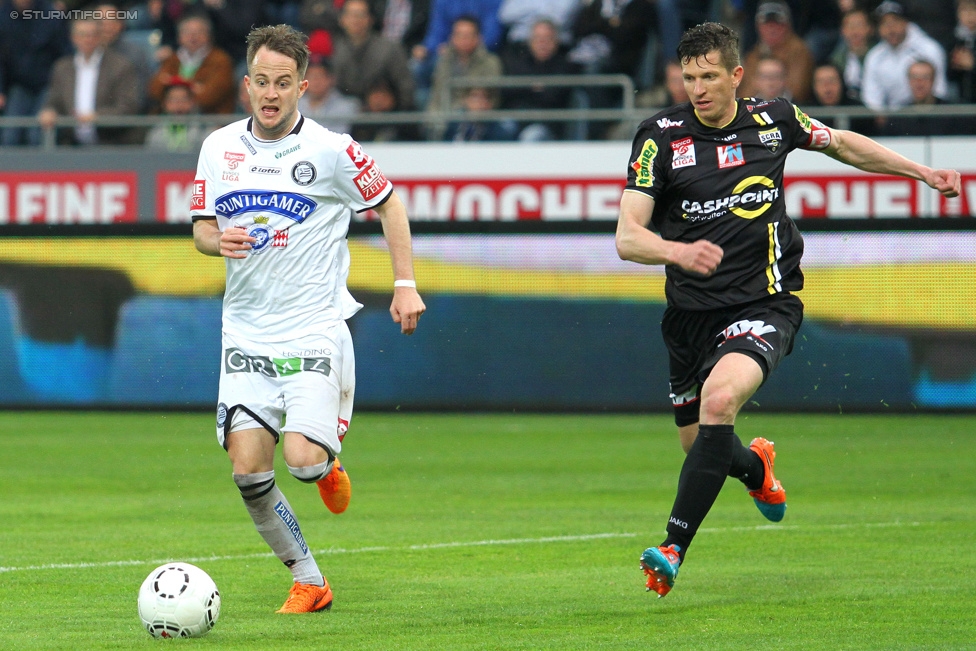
<point>696,340</point>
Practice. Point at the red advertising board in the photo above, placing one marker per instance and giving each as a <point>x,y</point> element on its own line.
<point>60,197</point>
<point>507,199</point>
<point>174,188</point>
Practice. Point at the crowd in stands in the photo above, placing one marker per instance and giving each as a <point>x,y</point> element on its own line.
<point>187,57</point>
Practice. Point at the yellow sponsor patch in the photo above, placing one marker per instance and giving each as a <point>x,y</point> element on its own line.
<point>644,165</point>
<point>803,119</point>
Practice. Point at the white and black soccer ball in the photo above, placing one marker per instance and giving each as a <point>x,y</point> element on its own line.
<point>178,600</point>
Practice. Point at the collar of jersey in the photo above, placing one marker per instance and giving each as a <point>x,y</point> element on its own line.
<point>731,120</point>
<point>275,143</point>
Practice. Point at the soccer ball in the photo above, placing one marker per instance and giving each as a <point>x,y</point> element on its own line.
<point>178,600</point>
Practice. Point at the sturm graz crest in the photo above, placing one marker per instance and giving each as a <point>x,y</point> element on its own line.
<point>303,173</point>
<point>262,235</point>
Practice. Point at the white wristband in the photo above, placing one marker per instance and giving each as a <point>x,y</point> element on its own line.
<point>405,283</point>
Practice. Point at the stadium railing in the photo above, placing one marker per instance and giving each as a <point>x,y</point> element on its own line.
<point>628,116</point>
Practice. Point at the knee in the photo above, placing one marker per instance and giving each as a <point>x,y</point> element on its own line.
<point>312,473</point>
<point>719,406</point>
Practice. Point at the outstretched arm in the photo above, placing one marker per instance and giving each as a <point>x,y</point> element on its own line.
<point>638,244</point>
<point>407,305</point>
<point>866,154</point>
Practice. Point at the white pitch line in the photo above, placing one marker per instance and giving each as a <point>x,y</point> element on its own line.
<point>449,545</point>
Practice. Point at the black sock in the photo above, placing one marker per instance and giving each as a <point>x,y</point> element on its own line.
<point>747,467</point>
<point>702,477</point>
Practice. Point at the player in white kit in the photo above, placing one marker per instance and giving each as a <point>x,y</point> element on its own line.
<point>272,195</point>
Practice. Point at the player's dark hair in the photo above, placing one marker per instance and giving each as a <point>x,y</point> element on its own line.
<point>702,40</point>
<point>283,39</point>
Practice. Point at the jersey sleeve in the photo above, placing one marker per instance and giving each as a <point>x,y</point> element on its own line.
<point>645,172</point>
<point>358,178</point>
<point>202,201</point>
<point>809,133</point>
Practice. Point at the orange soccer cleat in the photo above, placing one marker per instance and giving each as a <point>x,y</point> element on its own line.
<point>306,598</point>
<point>335,488</point>
<point>771,496</point>
<point>660,564</point>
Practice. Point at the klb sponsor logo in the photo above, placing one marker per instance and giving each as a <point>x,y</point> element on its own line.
<point>370,182</point>
<point>287,204</point>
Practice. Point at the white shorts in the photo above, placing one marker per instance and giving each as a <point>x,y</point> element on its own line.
<point>305,386</point>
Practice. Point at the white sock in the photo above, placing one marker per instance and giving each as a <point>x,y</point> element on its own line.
<point>277,524</point>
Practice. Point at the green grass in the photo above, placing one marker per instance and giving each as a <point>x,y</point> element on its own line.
<point>876,550</point>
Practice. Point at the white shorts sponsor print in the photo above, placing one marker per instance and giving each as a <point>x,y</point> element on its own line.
<point>306,386</point>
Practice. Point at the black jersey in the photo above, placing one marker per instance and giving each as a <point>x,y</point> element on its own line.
<point>725,185</point>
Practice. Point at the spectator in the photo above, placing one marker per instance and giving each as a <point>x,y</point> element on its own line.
<point>465,58</point>
<point>323,102</point>
<point>28,50</point>
<point>156,16</point>
<point>611,36</point>
<point>93,82</point>
<point>231,21</point>
<point>769,81</point>
<point>178,136</point>
<point>542,58</point>
<point>381,97</point>
<point>475,101</point>
<point>518,17</point>
<point>777,39</point>
<point>404,21</point>
<point>886,64</point>
<point>936,18</point>
<point>674,83</point>
<point>963,57</point>
<point>209,69</point>
<point>857,37</point>
<point>829,91</point>
<point>921,80</point>
<point>320,14</point>
<point>362,58</point>
<point>112,27</point>
<point>443,13</point>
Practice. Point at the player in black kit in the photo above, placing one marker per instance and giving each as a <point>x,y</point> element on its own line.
<point>707,176</point>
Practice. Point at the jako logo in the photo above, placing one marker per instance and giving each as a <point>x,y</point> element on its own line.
<point>680,523</point>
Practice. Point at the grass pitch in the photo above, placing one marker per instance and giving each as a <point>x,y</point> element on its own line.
<point>498,532</point>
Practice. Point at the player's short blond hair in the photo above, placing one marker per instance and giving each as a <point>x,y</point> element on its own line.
<point>282,39</point>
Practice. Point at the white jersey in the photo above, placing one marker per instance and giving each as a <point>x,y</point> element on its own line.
<point>294,196</point>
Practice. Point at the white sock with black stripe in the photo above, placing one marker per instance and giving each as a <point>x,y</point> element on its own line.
<point>277,524</point>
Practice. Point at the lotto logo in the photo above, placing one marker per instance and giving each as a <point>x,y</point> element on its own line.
<point>199,199</point>
<point>359,158</point>
<point>280,239</point>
